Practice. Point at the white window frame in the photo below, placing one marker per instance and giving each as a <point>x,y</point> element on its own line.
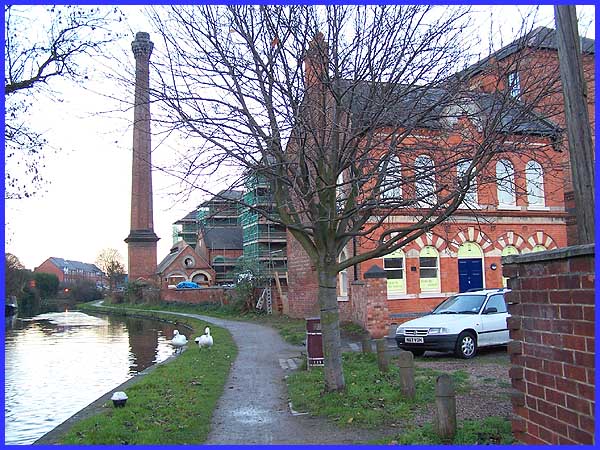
<point>514,84</point>
<point>505,184</point>
<point>425,185</point>
<point>471,200</point>
<point>534,176</point>
<point>391,186</point>
<point>437,269</point>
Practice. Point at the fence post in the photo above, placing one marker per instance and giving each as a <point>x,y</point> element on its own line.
<point>366,344</point>
<point>382,360</point>
<point>445,400</point>
<point>406,364</point>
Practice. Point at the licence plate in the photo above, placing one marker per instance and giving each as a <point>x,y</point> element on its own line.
<point>413,340</point>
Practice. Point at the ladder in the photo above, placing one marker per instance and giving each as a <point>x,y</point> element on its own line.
<point>265,296</point>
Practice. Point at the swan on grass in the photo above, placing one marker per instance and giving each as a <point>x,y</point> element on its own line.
<point>205,340</point>
<point>179,341</point>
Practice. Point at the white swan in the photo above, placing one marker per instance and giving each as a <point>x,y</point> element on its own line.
<point>205,340</point>
<point>179,341</point>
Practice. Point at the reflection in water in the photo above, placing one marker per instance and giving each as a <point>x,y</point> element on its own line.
<point>58,363</point>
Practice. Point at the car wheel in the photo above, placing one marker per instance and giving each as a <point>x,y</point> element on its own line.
<point>466,345</point>
<point>417,352</point>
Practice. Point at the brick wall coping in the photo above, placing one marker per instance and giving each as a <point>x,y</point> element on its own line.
<point>549,255</point>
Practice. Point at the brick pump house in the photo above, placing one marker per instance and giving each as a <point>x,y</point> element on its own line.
<point>465,252</point>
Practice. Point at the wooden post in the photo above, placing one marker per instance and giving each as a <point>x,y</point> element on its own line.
<point>581,149</point>
<point>406,364</point>
<point>445,401</point>
<point>382,360</point>
<point>366,344</point>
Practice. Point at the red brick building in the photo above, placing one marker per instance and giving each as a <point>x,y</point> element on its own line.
<point>69,272</point>
<point>465,252</point>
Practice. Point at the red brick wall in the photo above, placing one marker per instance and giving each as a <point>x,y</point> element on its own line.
<point>303,286</point>
<point>552,348</point>
<point>142,260</point>
<point>194,296</point>
<point>48,267</point>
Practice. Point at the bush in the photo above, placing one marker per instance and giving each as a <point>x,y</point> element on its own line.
<point>29,301</point>
<point>46,283</point>
<point>84,291</point>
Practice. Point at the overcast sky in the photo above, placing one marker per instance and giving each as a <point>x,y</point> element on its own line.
<point>85,205</point>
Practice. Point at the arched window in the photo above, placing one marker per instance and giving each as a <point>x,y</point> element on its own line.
<point>393,264</point>
<point>391,186</point>
<point>506,251</point>
<point>471,195</point>
<point>535,184</point>
<point>343,279</point>
<point>425,181</point>
<point>538,248</point>
<point>505,179</point>
<point>429,273</point>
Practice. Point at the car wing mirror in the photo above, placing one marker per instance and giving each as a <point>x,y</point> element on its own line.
<point>490,310</point>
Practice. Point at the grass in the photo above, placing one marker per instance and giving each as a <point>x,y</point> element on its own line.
<point>171,405</point>
<point>489,431</point>
<point>372,399</point>
<point>291,330</point>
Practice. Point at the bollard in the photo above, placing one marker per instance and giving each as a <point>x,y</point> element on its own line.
<point>445,400</point>
<point>406,366</point>
<point>366,344</point>
<point>382,360</point>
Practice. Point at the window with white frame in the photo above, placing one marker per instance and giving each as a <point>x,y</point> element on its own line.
<point>393,265</point>
<point>534,176</point>
<point>343,279</point>
<point>391,186</point>
<point>470,199</point>
<point>514,84</point>
<point>425,181</point>
<point>429,273</point>
<point>505,181</point>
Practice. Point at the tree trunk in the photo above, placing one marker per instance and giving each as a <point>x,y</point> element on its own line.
<point>330,325</point>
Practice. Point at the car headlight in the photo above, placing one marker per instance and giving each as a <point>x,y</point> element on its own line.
<point>400,330</point>
<point>437,330</point>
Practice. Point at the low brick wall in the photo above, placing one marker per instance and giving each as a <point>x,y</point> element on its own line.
<point>369,306</point>
<point>203,295</point>
<point>552,349</point>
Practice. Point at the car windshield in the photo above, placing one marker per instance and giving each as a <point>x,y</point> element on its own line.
<point>460,304</point>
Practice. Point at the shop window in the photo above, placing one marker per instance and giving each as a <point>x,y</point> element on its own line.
<point>535,184</point>
<point>429,273</point>
<point>393,264</point>
<point>505,179</point>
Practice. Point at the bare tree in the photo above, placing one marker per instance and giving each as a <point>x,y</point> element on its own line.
<point>111,263</point>
<point>352,114</point>
<point>43,43</point>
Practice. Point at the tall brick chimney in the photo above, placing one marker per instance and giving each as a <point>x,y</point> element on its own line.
<point>142,239</point>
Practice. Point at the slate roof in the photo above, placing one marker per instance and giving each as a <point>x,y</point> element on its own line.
<point>189,217</point>
<point>223,238</point>
<point>410,106</point>
<point>173,254</point>
<point>540,37</point>
<point>224,196</point>
<point>63,264</point>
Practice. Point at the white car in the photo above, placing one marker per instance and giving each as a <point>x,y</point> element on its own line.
<point>461,323</point>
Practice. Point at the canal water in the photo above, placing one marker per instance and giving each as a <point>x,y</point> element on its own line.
<point>58,363</point>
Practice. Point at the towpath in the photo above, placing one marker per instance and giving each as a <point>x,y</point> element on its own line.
<point>254,408</point>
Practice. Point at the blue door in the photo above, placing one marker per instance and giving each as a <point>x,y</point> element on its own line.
<point>470,274</point>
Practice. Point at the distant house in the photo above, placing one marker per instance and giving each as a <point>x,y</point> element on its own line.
<point>69,272</point>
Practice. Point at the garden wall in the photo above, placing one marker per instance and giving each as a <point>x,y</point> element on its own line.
<point>552,349</point>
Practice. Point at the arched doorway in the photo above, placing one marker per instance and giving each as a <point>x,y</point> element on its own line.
<point>470,267</point>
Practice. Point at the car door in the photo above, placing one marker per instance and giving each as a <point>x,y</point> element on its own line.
<point>494,330</point>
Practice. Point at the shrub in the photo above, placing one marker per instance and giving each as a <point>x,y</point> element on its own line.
<point>85,291</point>
<point>46,283</point>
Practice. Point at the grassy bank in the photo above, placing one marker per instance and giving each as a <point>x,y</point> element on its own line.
<point>373,400</point>
<point>291,330</point>
<point>171,405</point>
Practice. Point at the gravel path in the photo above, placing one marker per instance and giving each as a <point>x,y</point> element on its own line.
<point>254,406</point>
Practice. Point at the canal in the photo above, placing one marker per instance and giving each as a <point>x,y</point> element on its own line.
<point>57,363</point>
